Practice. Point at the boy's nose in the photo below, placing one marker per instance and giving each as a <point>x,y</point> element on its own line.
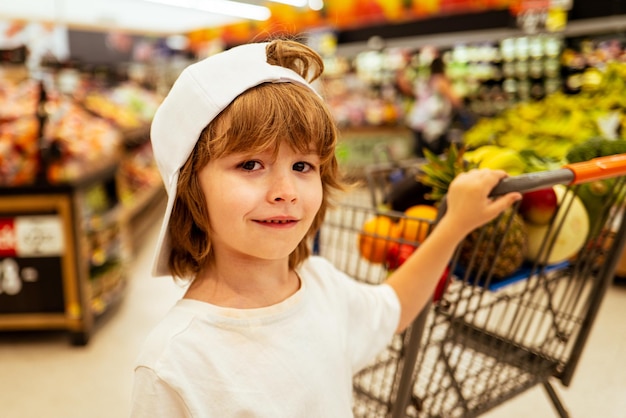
<point>283,188</point>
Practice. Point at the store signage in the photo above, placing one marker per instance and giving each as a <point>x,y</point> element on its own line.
<point>534,16</point>
<point>31,236</point>
<point>522,6</point>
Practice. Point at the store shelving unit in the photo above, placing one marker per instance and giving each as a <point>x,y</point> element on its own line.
<point>71,205</point>
<point>63,253</point>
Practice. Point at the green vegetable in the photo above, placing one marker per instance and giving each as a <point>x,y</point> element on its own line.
<point>595,147</point>
<point>594,194</point>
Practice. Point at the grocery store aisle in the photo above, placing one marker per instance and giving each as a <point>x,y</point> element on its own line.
<point>42,375</point>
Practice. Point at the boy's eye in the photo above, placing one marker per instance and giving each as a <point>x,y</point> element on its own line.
<point>302,166</point>
<point>250,165</point>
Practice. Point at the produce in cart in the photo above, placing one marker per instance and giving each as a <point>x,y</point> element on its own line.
<point>539,206</point>
<point>564,236</point>
<point>501,244</point>
<point>417,223</point>
<point>594,194</point>
<point>375,237</point>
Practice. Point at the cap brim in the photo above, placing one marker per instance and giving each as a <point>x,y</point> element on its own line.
<point>162,251</point>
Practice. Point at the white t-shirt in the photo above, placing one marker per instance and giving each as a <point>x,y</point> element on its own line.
<point>293,359</point>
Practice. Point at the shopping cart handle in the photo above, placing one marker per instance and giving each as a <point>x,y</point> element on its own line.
<point>533,181</point>
<point>598,168</point>
<point>522,183</point>
<point>575,173</point>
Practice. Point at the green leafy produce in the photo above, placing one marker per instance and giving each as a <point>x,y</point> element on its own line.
<point>438,172</point>
<point>595,147</point>
<point>595,193</point>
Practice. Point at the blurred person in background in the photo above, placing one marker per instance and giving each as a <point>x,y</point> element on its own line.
<point>435,104</point>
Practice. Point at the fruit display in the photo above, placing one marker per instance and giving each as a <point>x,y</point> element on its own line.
<point>548,128</point>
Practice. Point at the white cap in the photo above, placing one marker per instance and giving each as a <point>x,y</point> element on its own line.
<point>199,94</point>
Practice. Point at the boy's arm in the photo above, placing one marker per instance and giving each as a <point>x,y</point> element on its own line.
<point>468,207</point>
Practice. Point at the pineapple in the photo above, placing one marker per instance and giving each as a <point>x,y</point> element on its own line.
<point>500,245</point>
<point>438,172</point>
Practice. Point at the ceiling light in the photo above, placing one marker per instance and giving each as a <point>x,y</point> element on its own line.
<point>223,7</point>
<point>295,3</point>
<point>316,4</point>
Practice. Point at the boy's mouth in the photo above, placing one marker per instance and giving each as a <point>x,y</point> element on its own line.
<point>277,221</point>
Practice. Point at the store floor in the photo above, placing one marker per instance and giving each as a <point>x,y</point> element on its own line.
<point>42,375</point>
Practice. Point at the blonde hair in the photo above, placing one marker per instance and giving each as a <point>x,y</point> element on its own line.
<point>260,119</point>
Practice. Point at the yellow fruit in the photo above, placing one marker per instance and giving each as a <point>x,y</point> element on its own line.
<point>376,235</point>
<point>508,160</point>
<point>481,153</point>
<point>416,229</point>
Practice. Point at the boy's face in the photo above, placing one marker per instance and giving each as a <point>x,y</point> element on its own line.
<point>260,207</point>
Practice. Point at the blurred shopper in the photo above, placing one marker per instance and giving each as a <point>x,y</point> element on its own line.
<point>434,107</point>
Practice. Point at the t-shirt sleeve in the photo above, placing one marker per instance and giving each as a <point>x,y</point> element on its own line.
<point>372,314</point>
<point>154,398</point>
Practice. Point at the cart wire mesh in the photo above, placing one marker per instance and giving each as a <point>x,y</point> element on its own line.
<point>484,339</point>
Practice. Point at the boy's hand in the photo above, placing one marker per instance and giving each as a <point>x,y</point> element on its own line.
<point>469,204</point>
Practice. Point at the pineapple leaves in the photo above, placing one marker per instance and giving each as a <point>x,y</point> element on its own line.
<point>439,171</point>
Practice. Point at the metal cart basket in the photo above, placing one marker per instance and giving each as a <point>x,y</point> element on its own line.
<point>485,339</point>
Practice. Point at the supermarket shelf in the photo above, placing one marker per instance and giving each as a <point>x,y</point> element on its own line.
<point>606,24</point>
<point>142,199</point>
<point>141,213</point>
<point>106,289</point>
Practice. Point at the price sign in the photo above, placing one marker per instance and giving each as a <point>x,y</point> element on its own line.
<point>31,236</point>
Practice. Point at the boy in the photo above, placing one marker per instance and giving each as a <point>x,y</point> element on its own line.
<point>246,149</point>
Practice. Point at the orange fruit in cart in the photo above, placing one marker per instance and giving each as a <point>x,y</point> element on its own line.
<point>416,229</point>
<point>375,237</point>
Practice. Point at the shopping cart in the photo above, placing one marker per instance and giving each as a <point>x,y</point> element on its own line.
<point>486,339</point>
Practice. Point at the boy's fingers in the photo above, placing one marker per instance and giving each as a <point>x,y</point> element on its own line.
<point>506,201</point>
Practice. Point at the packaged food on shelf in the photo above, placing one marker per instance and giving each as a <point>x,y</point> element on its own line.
<point>127,105</point>
<point>19,130</point>
<point>78,141</point>
<point>19,151</point>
